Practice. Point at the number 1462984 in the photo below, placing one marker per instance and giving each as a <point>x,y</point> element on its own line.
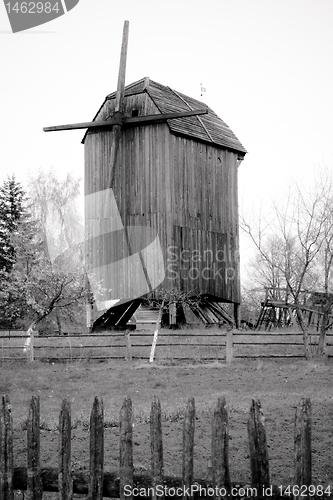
<point>32,7</point>
<point>306,490</point>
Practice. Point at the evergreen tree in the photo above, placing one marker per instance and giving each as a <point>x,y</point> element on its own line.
<point>12,212</point>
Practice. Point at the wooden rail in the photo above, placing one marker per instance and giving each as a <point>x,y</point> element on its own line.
<point>204,345</point>
<point>119,484</point>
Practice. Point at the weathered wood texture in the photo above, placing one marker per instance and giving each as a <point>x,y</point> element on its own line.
<point>220,446</point>
<point>65,480</point>
<point>6,451</point>
<point>96,450</point>
<point>179,185</point>
<point>207,344</point>
<point>258,448</point>
<point>156,444</point>
<point>126,450</point>
<point>188,444</point>
<point>34,483</point>
<point>210,129</point>
<point>303,424</point>
<point>97,484</point>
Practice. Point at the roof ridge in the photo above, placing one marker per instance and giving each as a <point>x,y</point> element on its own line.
<point>129,86</point>
<point>147,82</point>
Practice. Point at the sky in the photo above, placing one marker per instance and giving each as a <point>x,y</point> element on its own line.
<point>266,66</point>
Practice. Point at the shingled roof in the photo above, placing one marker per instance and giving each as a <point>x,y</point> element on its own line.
<point>208,128</point>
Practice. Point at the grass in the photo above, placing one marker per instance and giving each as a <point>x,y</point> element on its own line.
<point>278,384</point>
<point>79,382</point>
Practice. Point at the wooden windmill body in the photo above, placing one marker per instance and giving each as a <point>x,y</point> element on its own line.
<point>161,198</point>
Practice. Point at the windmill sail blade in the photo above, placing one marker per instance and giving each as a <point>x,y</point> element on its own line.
<point>127,121</point>
<point>122,262</point>
<point>122,70</point>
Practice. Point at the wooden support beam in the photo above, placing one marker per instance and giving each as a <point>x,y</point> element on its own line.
<point>122,70</point>
<point>138,120</point>
<point>119,119</point>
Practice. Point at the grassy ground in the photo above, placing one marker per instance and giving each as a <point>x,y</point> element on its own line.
<point>278,384</point>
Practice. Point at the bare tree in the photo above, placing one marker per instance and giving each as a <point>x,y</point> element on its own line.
<point>294,247</point>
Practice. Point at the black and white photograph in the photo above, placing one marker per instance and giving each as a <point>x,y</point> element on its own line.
<point>166,250</point>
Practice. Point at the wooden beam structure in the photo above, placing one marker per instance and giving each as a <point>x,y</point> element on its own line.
<point>122,70</point>
<point>126,121</point>
<point>177,181</point>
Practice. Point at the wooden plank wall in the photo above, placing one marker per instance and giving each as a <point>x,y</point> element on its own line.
<point>184,190</point>
<point>205,218</point>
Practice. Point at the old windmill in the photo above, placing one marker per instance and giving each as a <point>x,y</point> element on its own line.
<point>160,200</point>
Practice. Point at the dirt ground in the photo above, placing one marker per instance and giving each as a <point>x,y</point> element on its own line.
<point>278,384</point>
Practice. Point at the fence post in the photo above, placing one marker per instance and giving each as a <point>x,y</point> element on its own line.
<point>34,481</point>
<point>96,450</point>
<point>126,450</point>
<point>156,444</point>
<point>65,481</point>
<point>6,451</point>
<point>31,351</point>
<point>229,347</point>
<point>157,328</point>
<point>302,445</point>
<point>188,445</point>
<point>172,313</point>
<point>258,449</point>
<point>220,446</point>
<point>128,347</point>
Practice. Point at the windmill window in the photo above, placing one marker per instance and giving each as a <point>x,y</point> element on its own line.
<point>135,112</point>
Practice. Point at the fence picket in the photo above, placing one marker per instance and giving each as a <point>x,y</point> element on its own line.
<point>34,482</point>
<point>302,444</point>
<point>112,485</point>
<point>96,450</point>
<point>188,444</point>
<point>126,450</point>
<point>156,444</point>
<point>65,481</point>
<point>6,451</point>
<point>220,446</point>
<point>258,448</point>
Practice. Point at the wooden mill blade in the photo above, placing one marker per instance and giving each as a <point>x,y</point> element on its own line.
<point>122,70</point>
<point>116,129</point>
<point>127,121</point>
<point>116,134</point>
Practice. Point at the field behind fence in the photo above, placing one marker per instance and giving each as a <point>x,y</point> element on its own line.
<point>197,345</point>
<point>121,483</point>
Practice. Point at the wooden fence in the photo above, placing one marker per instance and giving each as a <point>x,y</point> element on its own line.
<point>195,345</point>
<point>119,484</point>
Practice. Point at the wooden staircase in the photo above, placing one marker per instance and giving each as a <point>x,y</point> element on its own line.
<point>145,317</point>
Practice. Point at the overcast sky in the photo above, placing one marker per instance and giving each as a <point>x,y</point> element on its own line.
<point>266,65</point>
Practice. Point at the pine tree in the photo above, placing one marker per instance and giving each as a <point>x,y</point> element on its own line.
<point>12,212</point>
